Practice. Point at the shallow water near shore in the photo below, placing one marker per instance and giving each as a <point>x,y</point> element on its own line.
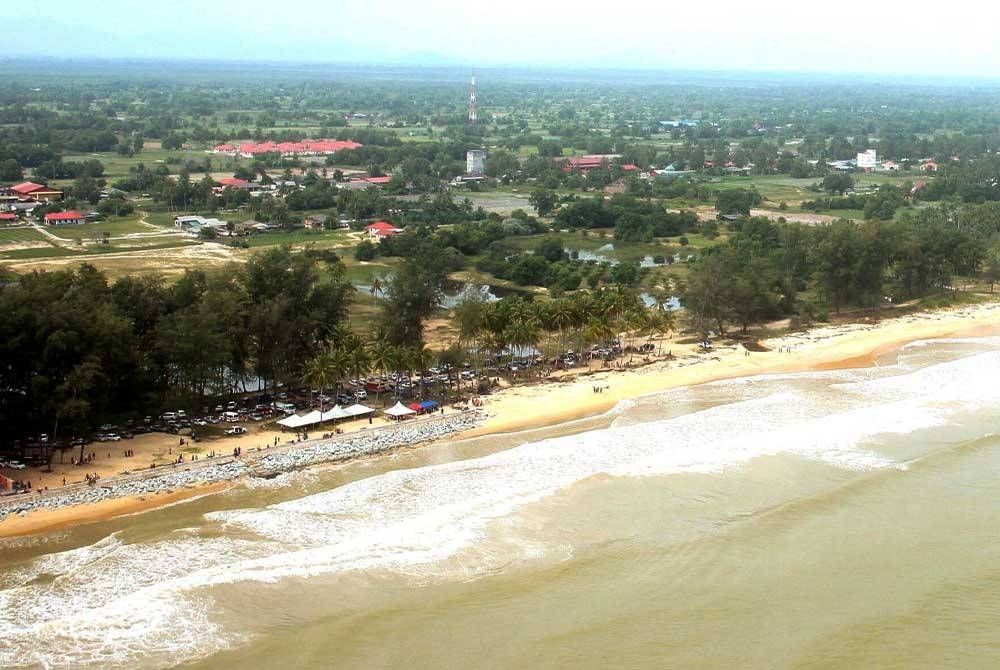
<point>845,518</point>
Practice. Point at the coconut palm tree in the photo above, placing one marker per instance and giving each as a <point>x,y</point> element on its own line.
<point>360,362</point>
<point>381,359</point>
<point>421,358</point>
<point>560,315</point>
<point>598,330</point>
<point>320,372</point>
<point>340,364</point>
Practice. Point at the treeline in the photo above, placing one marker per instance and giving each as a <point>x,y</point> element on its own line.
<point>76,347</point>
<point>633,219</point>
<point>766,271</point>
<point>879,204</point>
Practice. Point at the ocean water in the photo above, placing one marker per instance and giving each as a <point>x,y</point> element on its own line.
<point>839,519</point>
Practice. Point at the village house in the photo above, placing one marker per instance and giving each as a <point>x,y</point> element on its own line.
<point>37,192</point>
<point>193,225</point>
<point>362,183</point>
<point>65,218</point>
<point>381,229</point>
<point>287,149</point>
<point>7,217</point>
<point>316,221</point>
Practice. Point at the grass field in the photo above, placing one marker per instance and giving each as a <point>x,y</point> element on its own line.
<point>89,231</point>
<point>37,252</point>
<point>321,239</point>
<point>21,236</point>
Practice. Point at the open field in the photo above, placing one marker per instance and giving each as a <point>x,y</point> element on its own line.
<point>169,260</point>
<point>116,228</point>
<point>21,236</point>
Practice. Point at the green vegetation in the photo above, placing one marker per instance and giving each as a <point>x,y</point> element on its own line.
<point>668,211</point>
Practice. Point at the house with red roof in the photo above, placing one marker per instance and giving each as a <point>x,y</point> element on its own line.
<point>587,163</point>
<point>7,217</point>
<point>929,166</point>
<point>381,229</point>
<point>65,218</point>
<point>233,182</point>
<point>289,149</point>
<point>37,192</point>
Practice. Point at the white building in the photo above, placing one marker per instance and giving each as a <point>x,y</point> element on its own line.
<point>868,161</point>
<point>475,161</point>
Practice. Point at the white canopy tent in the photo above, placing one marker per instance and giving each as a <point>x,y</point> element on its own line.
<point>399,410</point>
<point>358,410</point>
<point>314,417</point>
<point>294,421</point>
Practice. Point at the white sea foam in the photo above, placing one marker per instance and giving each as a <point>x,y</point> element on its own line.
<point>111,604</point>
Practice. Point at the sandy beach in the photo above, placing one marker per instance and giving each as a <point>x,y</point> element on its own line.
<point>547,402</point>
<point>829,347</point>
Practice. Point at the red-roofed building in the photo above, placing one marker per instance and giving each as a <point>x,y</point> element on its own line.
<point>37,192</point>
<point>233,182</point>
<point>382,229</point>
<point>7,217</point>
<point>587,163</point>
<point>929,166</point>
<point>629,167</point>
<point>303,148</point>
<point>65,218</point>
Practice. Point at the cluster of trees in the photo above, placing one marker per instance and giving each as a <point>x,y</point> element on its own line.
<point>78,347</point>
<point>572,323</point>
<point>767,270</point>
<point>633,219</point>
<point>879,204</point>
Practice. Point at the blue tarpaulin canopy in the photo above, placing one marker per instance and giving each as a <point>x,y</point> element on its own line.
<point>428,404</point>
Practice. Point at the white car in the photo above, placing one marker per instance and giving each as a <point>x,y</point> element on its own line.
<point>236,430</point>
<point>114,437</point>
<point>17,465</point>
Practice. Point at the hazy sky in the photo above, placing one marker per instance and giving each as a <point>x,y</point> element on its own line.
<point>953,38</point>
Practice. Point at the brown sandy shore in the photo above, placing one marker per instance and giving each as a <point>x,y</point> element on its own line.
<point>565,399</point>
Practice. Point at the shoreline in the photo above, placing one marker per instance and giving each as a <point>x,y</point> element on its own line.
<point>538,405</point>
<point>823,348</point>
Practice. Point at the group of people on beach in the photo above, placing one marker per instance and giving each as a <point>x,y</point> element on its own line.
<point>600,389</point>
<point>87,458</point>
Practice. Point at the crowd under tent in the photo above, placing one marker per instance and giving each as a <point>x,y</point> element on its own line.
<point>399,410</point>
<point>315,417</point>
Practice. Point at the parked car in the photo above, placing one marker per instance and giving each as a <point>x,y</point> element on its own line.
<point>256,417</point>
<point>200,422</point>
<point>360,394</point>
<point>114,437</point>
<point>16,465</point>
<point>166,416</point>
<point>236,430</point>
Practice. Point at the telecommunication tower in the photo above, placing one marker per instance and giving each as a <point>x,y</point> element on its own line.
<point>472,100</point>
